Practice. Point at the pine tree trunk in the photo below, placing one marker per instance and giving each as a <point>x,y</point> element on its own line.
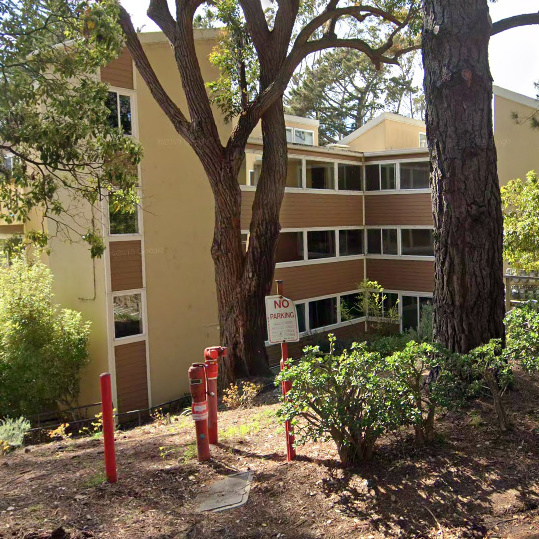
<point>468,289</point>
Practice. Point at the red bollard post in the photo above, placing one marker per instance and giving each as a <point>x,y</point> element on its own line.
<point>108,428</point>
<point>286,386</point>
<point>197,385</point>
<point>212,355</point>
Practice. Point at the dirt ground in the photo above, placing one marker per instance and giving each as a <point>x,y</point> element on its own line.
<point>473,483</point>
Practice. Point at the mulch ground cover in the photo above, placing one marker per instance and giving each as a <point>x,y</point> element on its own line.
<point>473,483</point>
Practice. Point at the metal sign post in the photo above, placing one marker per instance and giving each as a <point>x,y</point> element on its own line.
<point>283,328</point>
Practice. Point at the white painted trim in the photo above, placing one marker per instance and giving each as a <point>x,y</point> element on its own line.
<point>200,34</point>
<point>301,120</point>
<point>314,262</point>
<point>400,257</point>
<point>309,190</point>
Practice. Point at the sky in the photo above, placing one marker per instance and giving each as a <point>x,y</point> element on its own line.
<point>514,54</point>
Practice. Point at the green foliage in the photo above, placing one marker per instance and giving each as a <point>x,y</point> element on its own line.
<point>381,319</point>
<point>55,121</point>
<point>348,398</point>
<point>425,329</point>
<point>42,348</point>
<point>344,90</point>
<point>422,369</point>
<point>12,433</point>
<point>520,200</point>
<point>388,344</point>
<point>522,327</point>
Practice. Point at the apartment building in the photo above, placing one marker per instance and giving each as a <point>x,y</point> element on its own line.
<point>358,209</point>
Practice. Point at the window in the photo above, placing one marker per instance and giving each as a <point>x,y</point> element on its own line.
<point>320,175</point>
<point>415,175</point>
<point>350,242</point>
<point>302,136</point>
<point>321,244</point>
<point>300,313</point>
<point>254,175</point>
<point>417,242</point>
<point>374,242</point>
<point>351,307</point>
<point>389,241</point>
<point>127,315</point>
<point>380,177</point>
<point>294,173</point>
<point>252,178</point>
<point>245,241</point>
<point>322,313</point>
<point>390,300</point>
<point>119,106</point>
<point>122,222</point>
<point>350,177</point>
<point>382,241</point>
<point>289,134</point>
<point>289,247</point>
<point>9,161</point>
<point>423,140</point>
<point>410,312</point>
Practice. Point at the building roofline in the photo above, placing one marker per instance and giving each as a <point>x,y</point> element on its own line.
<point>377,121</point>
<point>159,37</point>
<point>516,97</point>
<point>301,120</point>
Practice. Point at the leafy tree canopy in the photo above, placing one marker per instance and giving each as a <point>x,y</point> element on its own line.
<point>54,123</point>
<point>520,200</point>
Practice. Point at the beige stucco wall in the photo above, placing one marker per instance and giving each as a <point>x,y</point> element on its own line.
<point>79,284</point>
<point>373,140</point>
<point>178,228</point>
<point>403,135</point>
<point>257,131</point>
<point>517,143</point>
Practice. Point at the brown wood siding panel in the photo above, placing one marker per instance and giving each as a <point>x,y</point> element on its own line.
<point>304,210</point>
<point>131,377</point>
<point>349,333</point>
<point>119,72</point>
<point>304,282</point>
<point>11,229</point>
<point>125,265</point>
<point>413,275</point>
<point>409,209</point>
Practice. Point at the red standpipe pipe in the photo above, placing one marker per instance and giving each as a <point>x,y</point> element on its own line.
<point>212,355</point>
<point>197,386</point>
<point>108,428</point>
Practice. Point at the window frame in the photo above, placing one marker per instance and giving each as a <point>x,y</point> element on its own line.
<point>116,341</point>
<point>296,129</point>
<point>140,222</point>
<point>132,94</point>
<point>421,135</point>
<point>398,187</point>
<point>399,255</point>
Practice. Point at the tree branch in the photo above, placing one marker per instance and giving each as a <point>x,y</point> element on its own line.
<point>257,25</point>
<point>525,19</point>
<point>160,14</point>
<point>146,71</point>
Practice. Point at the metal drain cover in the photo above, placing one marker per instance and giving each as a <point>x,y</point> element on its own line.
<point>228,493</point>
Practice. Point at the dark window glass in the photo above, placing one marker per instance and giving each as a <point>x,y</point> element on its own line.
<point>125,114</point>
<point>320,175</point>
<point>122,222</point>
<point>391,300</point>
<point>389,240</point>
<point>409,312</point>
<point>350,242</point>
<point>424,301</point>
<point>300,313</point>
<point>374,241</point>
<point>112,105</point>
<point>245,241</point>
<point>372,177</point>
<point>322,313</point>
<point>127,315</point>
<point>388,180</point>
<point>418,242</point>
<point>351,307</point>
<point>289,247</point>
<point>321,244</point>
<point>350,177</point>
<point>415,175</point>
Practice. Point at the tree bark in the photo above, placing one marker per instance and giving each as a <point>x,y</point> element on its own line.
<point>468,288</point>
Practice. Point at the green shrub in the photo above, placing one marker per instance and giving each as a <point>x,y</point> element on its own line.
<point>350,398</point>
<point>423,370</point>
<point>389,344</point>
<point>42,348</point>
<point>522,326</point>
<point>12,433</point>
<point>425,329</point>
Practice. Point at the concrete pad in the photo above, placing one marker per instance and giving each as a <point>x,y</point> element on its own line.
<point>229,493</point>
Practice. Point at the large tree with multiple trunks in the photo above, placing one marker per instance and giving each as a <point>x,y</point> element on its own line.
<point>265,48</point>
<point>468,246</point>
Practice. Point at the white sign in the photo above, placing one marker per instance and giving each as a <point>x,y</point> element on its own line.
<point>282,320</point>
